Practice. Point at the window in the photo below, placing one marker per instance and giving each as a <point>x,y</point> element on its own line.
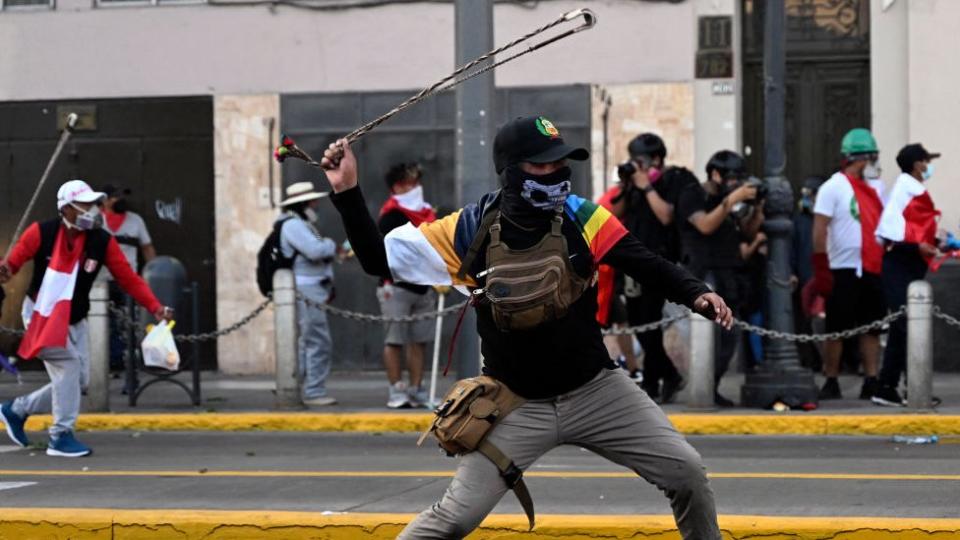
<point>26,4</point>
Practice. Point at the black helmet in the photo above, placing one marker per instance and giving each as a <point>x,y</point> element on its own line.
<point>647,144</point>
<point>728,164</point>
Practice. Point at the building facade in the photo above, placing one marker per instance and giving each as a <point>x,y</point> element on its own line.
<point>687,69</point>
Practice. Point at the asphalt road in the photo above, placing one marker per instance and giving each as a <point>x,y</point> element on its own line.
<point>798,476</point>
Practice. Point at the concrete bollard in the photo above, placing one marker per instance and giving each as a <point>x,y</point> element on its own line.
<point>702,347</point>
<point>98,323</point>
<point>285,336</point>
<point>920,346</point>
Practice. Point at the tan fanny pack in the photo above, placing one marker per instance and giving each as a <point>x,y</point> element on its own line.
<point>526,287</point>
<point>464,418</point>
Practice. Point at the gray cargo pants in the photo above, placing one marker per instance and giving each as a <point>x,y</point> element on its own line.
<point>610,416</point>
<point>69,371</point>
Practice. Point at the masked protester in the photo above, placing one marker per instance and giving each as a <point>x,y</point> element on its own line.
<point>908,230</point>
<point>806,318</point>
<point>847,258</point>
<point>398,299</point>
<point>528,254</point>
<point>313,257</point>
<point>131,233</point>
<point>714,218</point>
<point>67,254</point>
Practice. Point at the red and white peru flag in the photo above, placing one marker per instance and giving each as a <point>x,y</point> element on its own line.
<point>909,215</point>
<point>50,321</point>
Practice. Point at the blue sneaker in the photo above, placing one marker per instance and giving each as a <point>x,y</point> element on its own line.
<point>65,445</point>
<point>14,424</point>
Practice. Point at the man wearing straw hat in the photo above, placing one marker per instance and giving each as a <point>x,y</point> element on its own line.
<point>313,257</point>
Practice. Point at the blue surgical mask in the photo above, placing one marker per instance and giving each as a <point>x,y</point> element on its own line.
<point>927,174</point>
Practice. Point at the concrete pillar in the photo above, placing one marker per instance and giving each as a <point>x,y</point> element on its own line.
<point>920,346</point>
<point>702,348</point>
<point>98,321</point>
<point>285,336</point>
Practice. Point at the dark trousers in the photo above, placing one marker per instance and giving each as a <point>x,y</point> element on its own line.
<point>648,307</point>
<point>901,266</point>
<point>723,281</point>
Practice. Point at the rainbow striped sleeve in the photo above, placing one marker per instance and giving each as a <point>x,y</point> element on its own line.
<point>599,227</point>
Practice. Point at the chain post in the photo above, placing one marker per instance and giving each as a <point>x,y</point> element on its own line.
<point>702,349</point>
<point>920,346</point>
<point>285,339</point>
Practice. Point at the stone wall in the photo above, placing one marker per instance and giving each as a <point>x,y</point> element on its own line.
<point>242,162</point>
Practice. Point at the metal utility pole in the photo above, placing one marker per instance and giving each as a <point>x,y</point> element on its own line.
<point>475,128</point>
<point>780,378</point>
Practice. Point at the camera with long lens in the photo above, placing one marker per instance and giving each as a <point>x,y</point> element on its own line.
<point>626,170</point>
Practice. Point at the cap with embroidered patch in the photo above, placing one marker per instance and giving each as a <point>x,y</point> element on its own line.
<point>533,139</point>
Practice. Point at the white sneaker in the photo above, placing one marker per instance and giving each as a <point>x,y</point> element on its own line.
<point>419,397</point>
<point>321,401</point>
<point>398,397</point>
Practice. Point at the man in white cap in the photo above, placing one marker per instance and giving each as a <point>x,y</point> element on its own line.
<point>68,253</point>
<point>312,257</point>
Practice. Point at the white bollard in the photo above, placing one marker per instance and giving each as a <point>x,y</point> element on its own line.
<point>285,340</point>
<point>98,323</point>
<point>435,366</point>
<point>920,346</point>
<point>702,347</point>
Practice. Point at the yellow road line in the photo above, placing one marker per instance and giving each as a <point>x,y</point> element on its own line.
<point>760,423</point>
<point>105,524</point>
<point>449,474</point>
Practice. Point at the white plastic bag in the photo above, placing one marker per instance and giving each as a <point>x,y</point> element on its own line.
<point>159,349</point>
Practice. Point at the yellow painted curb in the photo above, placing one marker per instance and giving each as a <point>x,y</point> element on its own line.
<point>96,524</point>
<point>690,424</point>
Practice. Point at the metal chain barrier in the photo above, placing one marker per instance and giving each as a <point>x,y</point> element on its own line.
<point>950,320</point>
<point>807,338</point>
<point>370,318</point>
<point>126,322</point>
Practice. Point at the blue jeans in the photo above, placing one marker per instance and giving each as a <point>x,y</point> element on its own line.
<point>314,345</point>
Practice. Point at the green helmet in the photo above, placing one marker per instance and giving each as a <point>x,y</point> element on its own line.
<point>858,141</point>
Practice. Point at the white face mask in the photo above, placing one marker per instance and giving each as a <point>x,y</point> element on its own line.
<point>311,214</point>
<point>872,171</point>
<point>86,219</point>
<point>411,200</point>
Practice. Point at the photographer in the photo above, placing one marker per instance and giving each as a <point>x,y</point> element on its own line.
<point>648,196</point>
<point>714,217</point>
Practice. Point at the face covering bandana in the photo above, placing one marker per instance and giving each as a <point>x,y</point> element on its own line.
<point>411,200</point>
<point>86,220</point>
<point>543,191</point>
<point>928,173</point>
<point>120,206</point>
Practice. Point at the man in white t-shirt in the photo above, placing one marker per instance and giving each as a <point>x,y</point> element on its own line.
<point>132,235</point>
<point>847,259</point>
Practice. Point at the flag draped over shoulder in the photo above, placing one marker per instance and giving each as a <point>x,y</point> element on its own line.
<point>431,253</point>
<point>50,320</point>
<point>870,207</point>
<point>910,215</point>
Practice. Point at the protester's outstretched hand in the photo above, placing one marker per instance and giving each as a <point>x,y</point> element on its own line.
<point>340,165</point>
<point>712,306</point>
<point>164,313</point>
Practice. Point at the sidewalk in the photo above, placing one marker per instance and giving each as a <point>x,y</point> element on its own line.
<point>247,403</point>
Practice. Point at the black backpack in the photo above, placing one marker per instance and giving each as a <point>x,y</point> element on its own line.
<point>270,259</point>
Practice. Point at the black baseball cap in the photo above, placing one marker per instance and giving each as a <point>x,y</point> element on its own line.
<point>114,191</point>
<point>911,154</point>
<point>533,139</point>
